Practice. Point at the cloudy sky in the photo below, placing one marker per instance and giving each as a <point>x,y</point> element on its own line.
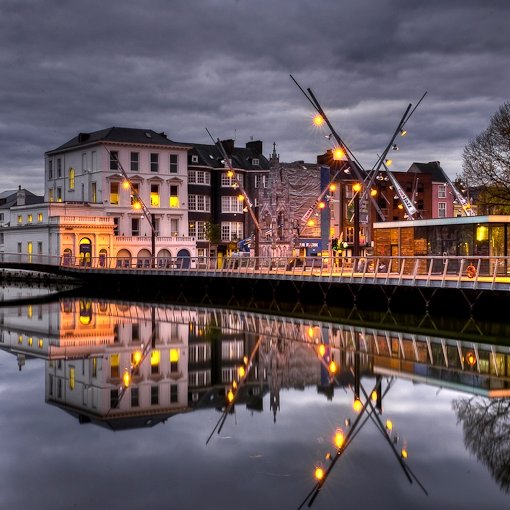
<point>182,66</point>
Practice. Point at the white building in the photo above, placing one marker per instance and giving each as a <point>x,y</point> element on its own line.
<point>90,209</point>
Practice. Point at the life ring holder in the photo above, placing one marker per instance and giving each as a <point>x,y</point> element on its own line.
<point>471,271</point>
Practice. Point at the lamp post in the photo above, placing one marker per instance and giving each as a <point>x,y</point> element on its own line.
<point>356,187</point>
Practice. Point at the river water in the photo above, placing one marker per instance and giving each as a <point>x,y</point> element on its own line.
<point>125,405</point>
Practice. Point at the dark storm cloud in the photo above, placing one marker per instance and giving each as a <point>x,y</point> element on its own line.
<point>182,66</point>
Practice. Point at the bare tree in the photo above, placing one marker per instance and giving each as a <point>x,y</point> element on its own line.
<point>486,163</point>
<point>486,428</point>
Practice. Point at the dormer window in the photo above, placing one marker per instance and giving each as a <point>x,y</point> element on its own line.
<point>194,158</point>
<point>255,162</point>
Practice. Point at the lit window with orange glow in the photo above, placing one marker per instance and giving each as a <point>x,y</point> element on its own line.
<point>155,357</point>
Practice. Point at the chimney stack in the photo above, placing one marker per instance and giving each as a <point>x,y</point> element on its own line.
<point>21,196</point>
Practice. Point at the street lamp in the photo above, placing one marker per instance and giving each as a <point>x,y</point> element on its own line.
<point>356,188</point>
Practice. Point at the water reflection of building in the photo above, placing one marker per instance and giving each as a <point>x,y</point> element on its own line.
<point>179,359</point>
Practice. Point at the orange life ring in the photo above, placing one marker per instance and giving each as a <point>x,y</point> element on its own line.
<point>471,271</point>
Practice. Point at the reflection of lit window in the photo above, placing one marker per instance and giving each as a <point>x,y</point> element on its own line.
<point>40,343</point>
<point>114,365</point>
<point>30,341</point>
<point>174,360</point>
<point>155,359</point>
<point>29,311</point>
<point>71,378</point>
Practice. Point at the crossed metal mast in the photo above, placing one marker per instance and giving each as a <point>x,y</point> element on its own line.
<point>370,176</point>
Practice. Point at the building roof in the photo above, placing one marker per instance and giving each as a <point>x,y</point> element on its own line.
<point>9,198</point>
<point>242,157</point>
<point>433,168</point>
<point>119,135</point>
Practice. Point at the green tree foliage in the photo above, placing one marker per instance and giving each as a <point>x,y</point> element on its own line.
<point>213,232</point>
<point>486,163</point>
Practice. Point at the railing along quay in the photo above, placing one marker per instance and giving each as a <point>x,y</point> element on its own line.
<point>488,273</point>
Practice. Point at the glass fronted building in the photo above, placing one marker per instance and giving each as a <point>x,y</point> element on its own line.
<point>467,237</point>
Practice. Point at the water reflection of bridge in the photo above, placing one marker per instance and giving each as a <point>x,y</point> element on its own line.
<point>190,356</point>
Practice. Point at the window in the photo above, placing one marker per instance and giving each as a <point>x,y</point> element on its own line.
<point>135,192</point>
<point>116,221</point>
<point>174,226</point>
<point>174,196</point>
<point>39,247</point>
<point>154,395</point>
<point>441,209</point>
<point>114,398</point>
<point>93,192</point>
<point>59,194</point>
<point>441,191</point>
<point>174,360</point>
<point>156,226</point>
<point>135,226</point>
<point>20,247</point>
<point>94,161</point>
<point>154,162</point>
<point>174,396</point>
<point>155,195</point>
<point>84,162</point>
<point>30,218</point>
<point>50,169</point>
<point>261,181</point>
<point>40,217</point>
<point>174,163</point>
<point>135,161</point>
<point>135,401</point>
<point>197,229</point>
<point>194,158</point>
<point>155,361</point>
<point>114,365</point>
<point>199,177</point>
<point>20,219</point>
<point>114,160</point>
<point>255,162</point>
<point>72,379</point>
<point>199,203</point>
<point>231,230</point>
<point>228,182</point>
<point>59,167</point>
<point>71,178</point>
<point>114,193</point>
<point>231,204</point>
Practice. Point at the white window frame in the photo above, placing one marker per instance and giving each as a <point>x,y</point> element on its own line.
<point>231,204</point>
<point>199,203</point>
<point>231,230</point>
<point>441,191</point>
<point>441,209</point>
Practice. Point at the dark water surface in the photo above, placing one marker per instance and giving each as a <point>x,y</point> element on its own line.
<point>74,437</point>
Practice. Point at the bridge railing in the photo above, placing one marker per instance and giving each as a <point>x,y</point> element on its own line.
<point>423,268</point>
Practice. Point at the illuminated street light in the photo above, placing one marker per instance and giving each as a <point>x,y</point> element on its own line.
<point>230,396</point>
<point>357,405</point>
<point>388,162</point>
<point>332,186</point>
<point>322,350</point>
<point>242,371</point>
<point>389,425</point>
<point>318,120</point>
<point>403,132</point>
<point>332,367</point>
<point>356,187</point>
<point>338,154</point>
<point>126,379</point>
